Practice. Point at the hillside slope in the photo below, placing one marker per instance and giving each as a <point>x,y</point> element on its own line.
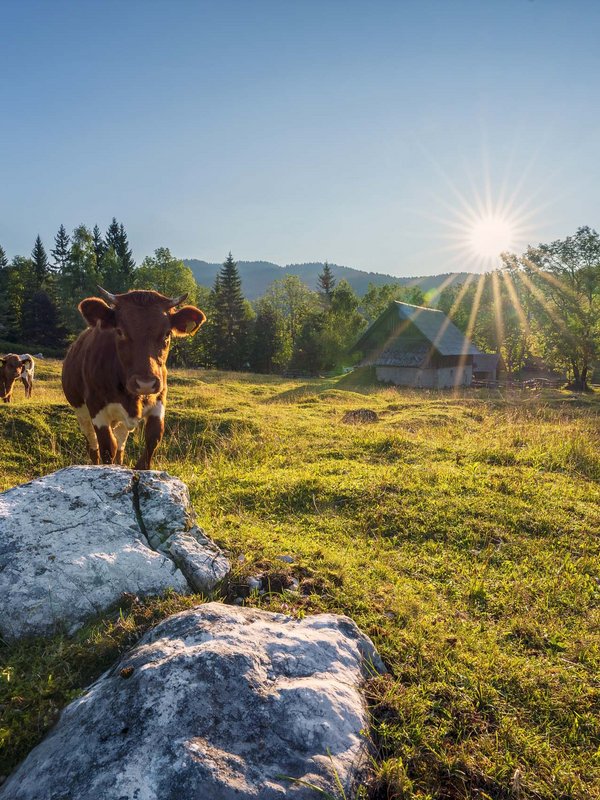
<point>258,275</point>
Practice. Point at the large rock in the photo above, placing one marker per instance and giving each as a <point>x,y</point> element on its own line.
<point>73,542</point>
<point>216,703</point>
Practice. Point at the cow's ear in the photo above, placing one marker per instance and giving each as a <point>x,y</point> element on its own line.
<point>187,320</point>
<point>94,310</point>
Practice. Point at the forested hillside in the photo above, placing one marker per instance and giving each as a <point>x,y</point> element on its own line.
<point>257,276</point>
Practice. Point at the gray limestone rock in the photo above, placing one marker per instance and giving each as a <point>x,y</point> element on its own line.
<point>71,543</point>
<point>215,703</point>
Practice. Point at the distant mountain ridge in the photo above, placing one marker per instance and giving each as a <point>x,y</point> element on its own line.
<point>257,276</point>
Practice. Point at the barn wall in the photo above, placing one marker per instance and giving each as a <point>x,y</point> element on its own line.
<point>442,378</point>
<point>408,376</point>
<point>454,376</point>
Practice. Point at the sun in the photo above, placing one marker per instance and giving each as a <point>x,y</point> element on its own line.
<point>491,235</point>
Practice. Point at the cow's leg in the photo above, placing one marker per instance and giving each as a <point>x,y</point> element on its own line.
<point>87,428</point>
<point>27,384</point>
<point>121,433</point>
<point>155,427</point>
<point>107,444</point>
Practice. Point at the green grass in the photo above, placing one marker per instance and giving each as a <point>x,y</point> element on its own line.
<point>460,532</point>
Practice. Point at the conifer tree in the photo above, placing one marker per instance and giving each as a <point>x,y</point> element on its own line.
<point>326,282</point>
<point>40,263</point>
<point>112,235</point>
<point>62,246</point>
<point>125,253</point>
<point>99,248</point>
<point>230,318</point>
<point>3,258</point>
<point>121,274</point>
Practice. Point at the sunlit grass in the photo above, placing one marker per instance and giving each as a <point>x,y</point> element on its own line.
<point>460,532</point>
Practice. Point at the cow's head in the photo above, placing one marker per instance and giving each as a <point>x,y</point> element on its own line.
<point>143,323</point>
<point>12,366</point>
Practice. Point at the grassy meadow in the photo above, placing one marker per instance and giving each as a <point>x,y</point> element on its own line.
<point>461,532</point>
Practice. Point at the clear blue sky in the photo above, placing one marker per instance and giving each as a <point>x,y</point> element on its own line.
<point>296,131</point>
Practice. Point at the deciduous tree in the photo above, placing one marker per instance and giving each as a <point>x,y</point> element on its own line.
<point>563,279</point>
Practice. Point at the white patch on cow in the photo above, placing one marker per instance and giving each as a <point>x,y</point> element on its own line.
<point>156,410</point>
<point>30,369</point>
<point>113,414</point>
<point>121,433</point>
<point>87,428</point>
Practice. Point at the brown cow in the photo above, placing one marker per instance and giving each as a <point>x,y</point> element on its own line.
<point>12,367</point>
<point>115,374</point>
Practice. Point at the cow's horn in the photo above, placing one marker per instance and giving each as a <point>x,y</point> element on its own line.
<point>176,301</point>
<point>110,298</point>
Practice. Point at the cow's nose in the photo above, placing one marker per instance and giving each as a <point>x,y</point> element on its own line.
<point>150,386</point>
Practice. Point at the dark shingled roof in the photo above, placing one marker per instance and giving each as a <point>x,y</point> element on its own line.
<point>395,356</point>
<point>435,326</point>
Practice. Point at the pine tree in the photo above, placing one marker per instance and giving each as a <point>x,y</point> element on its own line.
<point>112,235</point>
<point>3,258</point>
<point>122,276</point>
<point>41,268</point>
<point>62,246</point>
<point>99,248</point>
<point>125,253</point>
<point>326,282</point>
<point>230,319</point>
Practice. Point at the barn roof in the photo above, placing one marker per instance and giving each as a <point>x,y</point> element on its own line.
<point>435,326</point>
<point>394,356</point>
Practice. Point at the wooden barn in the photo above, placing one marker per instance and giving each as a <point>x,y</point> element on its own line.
<point>414,346</point>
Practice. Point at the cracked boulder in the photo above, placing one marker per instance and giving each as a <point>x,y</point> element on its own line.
<point>71,543</point>
<point>216,702</point>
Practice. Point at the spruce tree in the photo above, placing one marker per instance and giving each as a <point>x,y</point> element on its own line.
<point>112,235</point>
<point>62,246</point>
<point>3,258</point>
<point>39,259</point>
<point>326,282</point>
<point>116,238</point>
<point>125,253</point>
<point>99,248</point>
<point>230,319</point>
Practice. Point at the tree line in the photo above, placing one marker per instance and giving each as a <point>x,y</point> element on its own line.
<point>545,303</point>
